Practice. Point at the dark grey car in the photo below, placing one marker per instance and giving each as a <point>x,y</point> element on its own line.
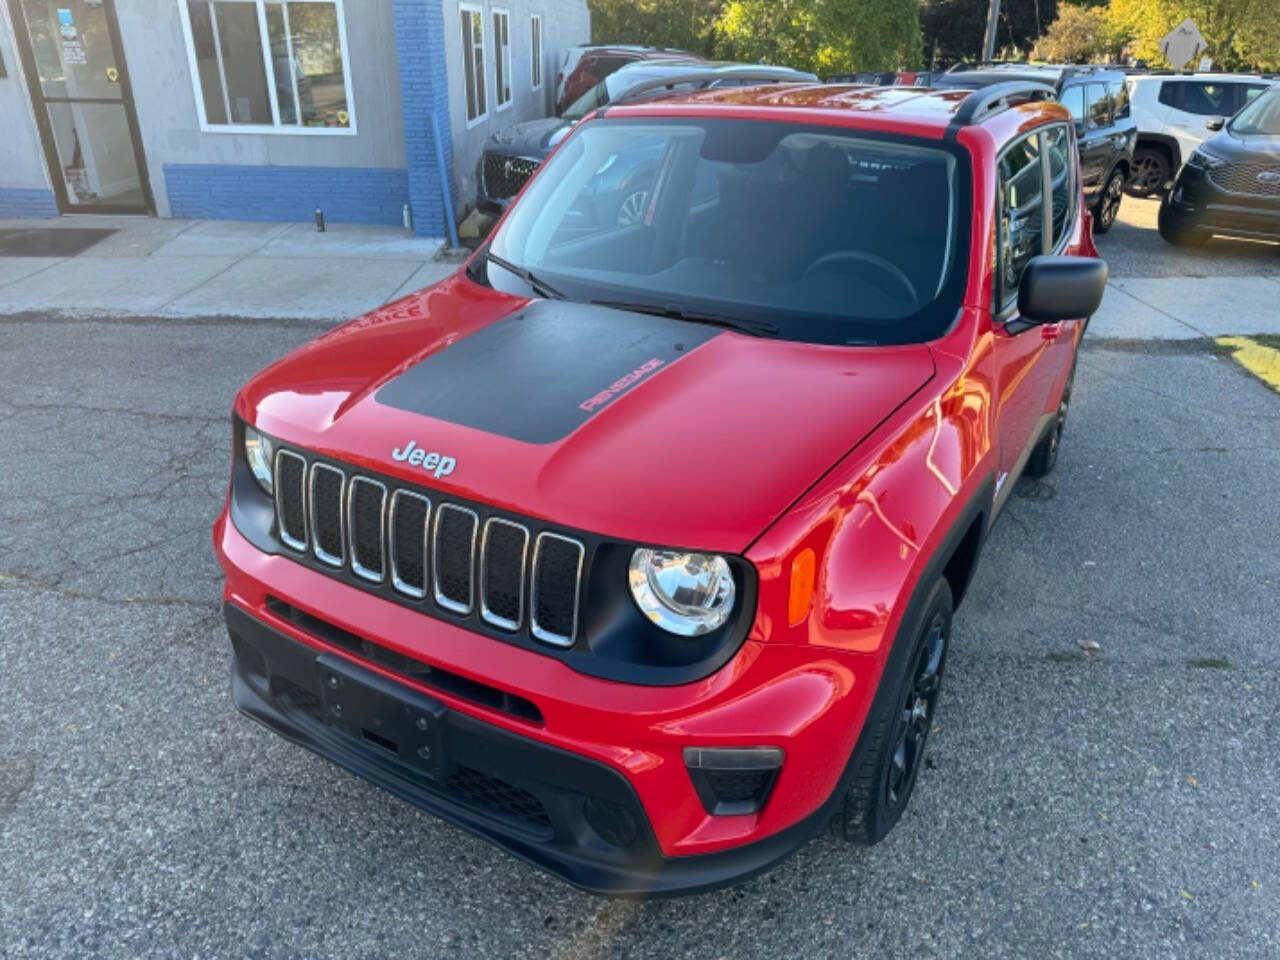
<point>512,155</point>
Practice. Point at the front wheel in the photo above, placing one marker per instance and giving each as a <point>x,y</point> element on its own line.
<point>1150,173</point>
<point>1045,456</point>
<point>1104,215</point>
<point>1176,231</point>
<point>885,773</point>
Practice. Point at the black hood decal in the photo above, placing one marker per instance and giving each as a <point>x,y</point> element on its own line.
<point>542,372</point>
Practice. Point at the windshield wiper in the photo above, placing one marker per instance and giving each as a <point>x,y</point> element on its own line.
<point>540,286</point>
<point>757,328</point>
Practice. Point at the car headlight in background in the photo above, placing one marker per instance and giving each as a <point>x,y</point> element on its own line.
<point>1204,160</point>
<point>260,454</point>
<point>687,594</point>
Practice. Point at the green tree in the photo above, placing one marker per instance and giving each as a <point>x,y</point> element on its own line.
<point>824,36</point>
<point>1240,33</point>
<point>685,24</point>
<point>1079,35</point>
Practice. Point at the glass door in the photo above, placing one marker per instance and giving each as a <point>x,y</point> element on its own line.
<point>83,104</point>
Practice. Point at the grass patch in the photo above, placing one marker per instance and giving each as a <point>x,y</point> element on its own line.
<point>1210,663</point>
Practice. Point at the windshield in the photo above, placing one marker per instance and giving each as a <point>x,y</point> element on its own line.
<point>816,233</point>
<point>1260,118</point>
<point>597,96</point>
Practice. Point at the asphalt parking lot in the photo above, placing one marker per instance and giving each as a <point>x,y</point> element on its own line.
<point>1117,803</point>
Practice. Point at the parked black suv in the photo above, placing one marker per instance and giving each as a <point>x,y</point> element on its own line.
<point>511,156</point>
<point>1231,183</point>
<point>1105,132</point>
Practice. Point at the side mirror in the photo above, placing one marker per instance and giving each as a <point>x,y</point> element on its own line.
<point>1215,124</point>
<point>1054,289</point>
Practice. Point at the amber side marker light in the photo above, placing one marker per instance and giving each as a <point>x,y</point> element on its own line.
<point>803,569</point>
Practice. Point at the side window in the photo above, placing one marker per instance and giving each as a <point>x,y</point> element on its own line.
<point>1118,94</point>
<point>1073,100</point>
<point>1099,106</point>
<point>1207,99</point>
<point>1171,95</point>
<point>1245,92</point>
<point>1061,155</point>
<point>1021,199</point>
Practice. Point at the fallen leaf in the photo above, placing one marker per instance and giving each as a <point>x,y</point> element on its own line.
<point>1193,781</point>
<point>1187,896</point>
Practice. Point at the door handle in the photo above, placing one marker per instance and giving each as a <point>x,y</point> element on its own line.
<point>1050,331</point>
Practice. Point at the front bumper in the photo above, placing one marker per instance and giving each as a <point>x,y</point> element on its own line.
<point>1196,203</point>
<point>591,748</point>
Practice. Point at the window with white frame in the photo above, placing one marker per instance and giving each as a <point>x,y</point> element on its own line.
<point>501,59</point>
<point>270,66</point>
<point>535,28</point>
<point>473,62</point>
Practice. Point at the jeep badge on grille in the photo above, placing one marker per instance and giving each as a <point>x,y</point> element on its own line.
<point>438,464</point>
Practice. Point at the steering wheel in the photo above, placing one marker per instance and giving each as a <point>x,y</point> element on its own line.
<point>829,260</point>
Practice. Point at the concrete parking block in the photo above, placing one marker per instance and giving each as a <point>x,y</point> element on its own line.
<point>354,240</point>
<point>296,288</point>
<point>15,268</point>
<point>220,238</point>
<point>123,286</point>
<point>1214,306</point>
<point>1124,316</point>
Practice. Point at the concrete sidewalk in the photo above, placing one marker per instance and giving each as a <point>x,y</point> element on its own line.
<point>183,268</point>
<point>1186,308</point>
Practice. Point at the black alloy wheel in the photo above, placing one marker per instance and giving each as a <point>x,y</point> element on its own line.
<point>914,718</point>
<point>1150,173</point>
<point>1109,203</point>
<point>1045,456</point>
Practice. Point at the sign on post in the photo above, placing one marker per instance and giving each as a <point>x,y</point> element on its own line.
<point>1184,42</point>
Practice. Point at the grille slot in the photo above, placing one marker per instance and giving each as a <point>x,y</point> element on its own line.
<point>505,176</point>
<point>366,500</point>
<point>407,530</point>
<point>1242,179</point>
<point>502,560</point>
<point>481,790</point>
<point>452,559</point>
<point>291,499</point>
<point>557,576</point>
<point>326,513</point>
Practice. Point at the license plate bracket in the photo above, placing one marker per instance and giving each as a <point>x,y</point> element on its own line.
<point>400,724</point>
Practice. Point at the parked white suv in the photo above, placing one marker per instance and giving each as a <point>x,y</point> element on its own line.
<point>1171,111</point>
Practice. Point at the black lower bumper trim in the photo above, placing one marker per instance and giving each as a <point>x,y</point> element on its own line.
<point>571,816</point>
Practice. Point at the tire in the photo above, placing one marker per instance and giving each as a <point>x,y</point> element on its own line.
<point>1179,234</point>
<point>1108,206</point>
<point>1045,456</point>
<point>885,773</point>
<point>1151,170</point>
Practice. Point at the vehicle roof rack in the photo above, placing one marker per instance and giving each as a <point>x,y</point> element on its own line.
<point>700,79</point>
<point>989,100</point>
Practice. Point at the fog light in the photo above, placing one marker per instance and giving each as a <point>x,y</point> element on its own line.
<point>733,780</point>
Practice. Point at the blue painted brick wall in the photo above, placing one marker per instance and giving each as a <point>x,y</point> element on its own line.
<point>424,89</point>
<point>231,192</point>
<point>25,203</point>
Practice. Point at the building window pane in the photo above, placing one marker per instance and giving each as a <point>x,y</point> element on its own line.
<point>305,79</point>
<point>502,58</point>
<point>535,26</point>
<point>473,62</point>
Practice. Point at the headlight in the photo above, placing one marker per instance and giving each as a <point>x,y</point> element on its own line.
<point>1204,160</point>
<point>258,451</point>
<point>688,594</point>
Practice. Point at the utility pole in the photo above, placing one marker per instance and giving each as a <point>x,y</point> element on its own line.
<point>989,38</point>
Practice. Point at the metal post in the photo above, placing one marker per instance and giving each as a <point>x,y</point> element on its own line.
<point>989,38</point>
<point>445,191</point>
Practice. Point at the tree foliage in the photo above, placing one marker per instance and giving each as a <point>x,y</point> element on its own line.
<point>685,24</point>
<point>824,36</point>
<point>1240,33</point>
<point>954,29</point>
<point>1079,35</point>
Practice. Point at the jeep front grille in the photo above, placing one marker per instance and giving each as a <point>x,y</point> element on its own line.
<point>447,559</point>
<point>1242,179</point>
<point>505,176</point>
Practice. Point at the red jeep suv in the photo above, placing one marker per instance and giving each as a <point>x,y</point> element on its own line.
<point>635,548</point>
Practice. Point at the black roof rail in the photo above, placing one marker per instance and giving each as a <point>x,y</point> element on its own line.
<point>991,99</point>
<point>705,78</point>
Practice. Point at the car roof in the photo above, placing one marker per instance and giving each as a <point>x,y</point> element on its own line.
<point>1052,74</point>
<point>921,108</point>
<point>1191,77</point>
<point>633,74</point>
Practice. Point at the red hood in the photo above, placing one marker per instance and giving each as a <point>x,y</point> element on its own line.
<point>622,424</point>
